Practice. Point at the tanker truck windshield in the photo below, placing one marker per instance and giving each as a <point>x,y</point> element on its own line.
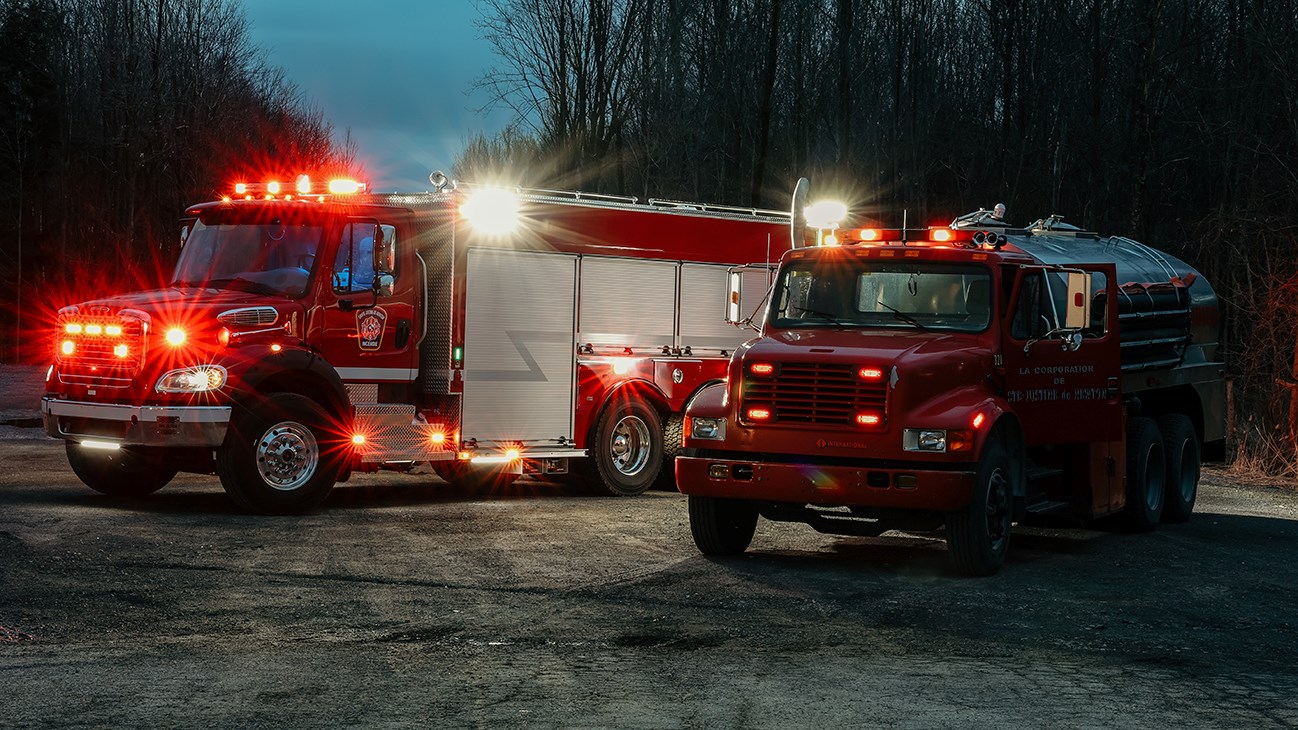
<point>877,294</point>
<point>273,256</point>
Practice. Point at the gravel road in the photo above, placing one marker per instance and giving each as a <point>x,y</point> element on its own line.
<point>398,605</point>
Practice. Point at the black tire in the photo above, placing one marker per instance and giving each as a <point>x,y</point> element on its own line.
<point>628,447</point>
<point>1146,475</point>
<point>282,455</point>
<point>978,537</point>
<point>673,430</point>
<point>722,526</point>
<point>1181,451</point>
<point>125,472</point>
<point>466,478</point>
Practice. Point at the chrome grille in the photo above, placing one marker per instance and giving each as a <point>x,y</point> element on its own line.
<point>249,317</point>
<point>816,393</point>
<point>95,359</point>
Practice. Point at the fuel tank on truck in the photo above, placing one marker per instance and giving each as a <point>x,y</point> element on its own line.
<point>1158,315</point>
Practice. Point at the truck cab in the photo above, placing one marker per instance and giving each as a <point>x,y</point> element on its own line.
<point>958,377</point>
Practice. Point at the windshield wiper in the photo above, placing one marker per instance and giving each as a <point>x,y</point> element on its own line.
<point>825,315</point>
<point>901,316</point>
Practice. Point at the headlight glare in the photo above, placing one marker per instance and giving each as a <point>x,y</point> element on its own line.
<point>200,379</point>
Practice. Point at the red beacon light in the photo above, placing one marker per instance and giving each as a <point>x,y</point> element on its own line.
<point>940,235</point>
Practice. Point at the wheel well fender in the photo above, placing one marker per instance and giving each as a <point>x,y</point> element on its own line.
<point>642,390</point>
<point>1007,428</point>
<point>300,372</point>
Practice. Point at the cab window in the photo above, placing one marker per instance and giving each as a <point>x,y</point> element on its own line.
<point>353,269</point>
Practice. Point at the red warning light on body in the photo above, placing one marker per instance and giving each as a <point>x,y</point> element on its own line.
<point>758,413</point>
<point>762,368</point>
<point>870,373</point>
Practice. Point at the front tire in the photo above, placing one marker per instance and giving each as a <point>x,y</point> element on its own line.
<point>628,447</point>
<point>978,537</point>
<point>722,526</point>
<point>1146,475</point>
<point>1181,448</point>
<point>124,472</point>
<point>281,456</point>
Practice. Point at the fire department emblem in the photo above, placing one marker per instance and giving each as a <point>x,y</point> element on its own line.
<point>369,327</point>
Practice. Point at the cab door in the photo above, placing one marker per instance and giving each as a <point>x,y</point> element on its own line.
<point>1063,378</point>
<point>371,336</point>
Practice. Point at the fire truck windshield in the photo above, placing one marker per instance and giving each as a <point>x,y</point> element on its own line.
<point>272,256</point>
<point>855,293</point>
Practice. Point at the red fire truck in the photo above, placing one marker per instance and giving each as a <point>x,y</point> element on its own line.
<point>309,332</point>
<point>969,376</point>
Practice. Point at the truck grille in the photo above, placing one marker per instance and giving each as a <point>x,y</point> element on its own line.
<point>816,394</point>
<point>104,352</point>
<point>249,317</point>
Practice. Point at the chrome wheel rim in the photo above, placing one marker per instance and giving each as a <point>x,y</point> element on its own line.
<point>287,456</point>
<point>629,445</point>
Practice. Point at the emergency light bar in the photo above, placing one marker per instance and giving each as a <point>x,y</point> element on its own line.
<point>302,185</point>
<point>965,238</point>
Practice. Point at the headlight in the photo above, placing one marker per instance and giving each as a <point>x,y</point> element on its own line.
<point>936,440</point>
<point>710,429</point>
<point>199,379</point>
<point>927,439</point>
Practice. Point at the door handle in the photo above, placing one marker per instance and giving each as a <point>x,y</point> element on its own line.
<point>403,333</point>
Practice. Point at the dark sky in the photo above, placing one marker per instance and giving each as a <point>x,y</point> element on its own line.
<point>397,73</point>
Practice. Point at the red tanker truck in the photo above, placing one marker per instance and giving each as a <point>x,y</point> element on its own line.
<point>967,376</point>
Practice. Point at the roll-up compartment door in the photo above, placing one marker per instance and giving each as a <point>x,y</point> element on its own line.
<point>628,302</point>
<point>519,361</point>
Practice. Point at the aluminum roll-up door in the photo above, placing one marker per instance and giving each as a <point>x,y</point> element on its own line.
<point>519,351</point>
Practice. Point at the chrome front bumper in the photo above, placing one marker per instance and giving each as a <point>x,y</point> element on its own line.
<point>135,425</point>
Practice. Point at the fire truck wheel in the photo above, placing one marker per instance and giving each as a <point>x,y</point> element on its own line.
<point>280,456</point>
<point>466,478</point>
<point>1146,475</point>
<point>978,537</point>
<point>628,451</point>
<point>1181,446</point>
<point>120,473</point>
<point>722,526</point>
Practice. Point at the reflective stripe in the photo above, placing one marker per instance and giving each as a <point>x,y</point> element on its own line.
<point>368,374</point>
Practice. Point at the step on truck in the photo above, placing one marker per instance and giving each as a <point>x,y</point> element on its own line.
<point>967,377</point>
<point>313,330</point>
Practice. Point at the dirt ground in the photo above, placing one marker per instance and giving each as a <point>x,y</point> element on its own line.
<point>398,605</point>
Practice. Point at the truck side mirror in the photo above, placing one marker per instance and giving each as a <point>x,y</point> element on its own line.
<point>186,226</point>
<point>732,298</point>
<point>382,252</point>
<point>383,283</point>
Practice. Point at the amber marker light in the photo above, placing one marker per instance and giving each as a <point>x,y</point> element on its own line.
<point>513,454</point>
<point>871,234</point>
<point>438,438</point>
<point>978,420</point>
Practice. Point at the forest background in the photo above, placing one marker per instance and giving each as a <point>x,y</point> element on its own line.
<point>1174,122</point>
